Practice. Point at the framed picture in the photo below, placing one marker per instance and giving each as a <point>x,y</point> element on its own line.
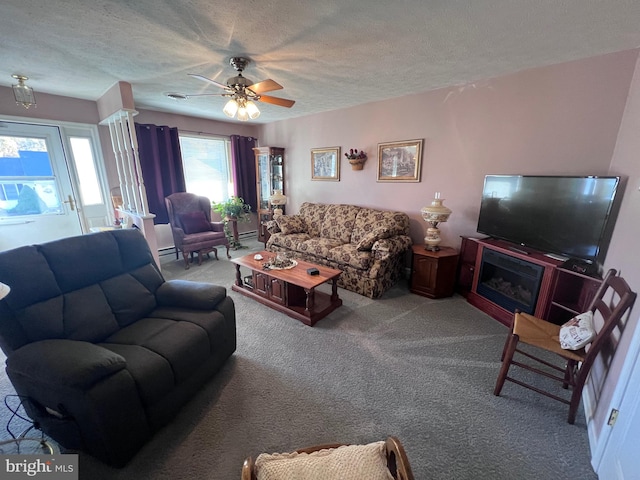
<point>399,161</point>
<point>325,163</point>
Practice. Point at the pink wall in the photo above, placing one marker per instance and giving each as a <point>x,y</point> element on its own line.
<point>50,107</point>
<point>552,120</point>
<point>622,251</point>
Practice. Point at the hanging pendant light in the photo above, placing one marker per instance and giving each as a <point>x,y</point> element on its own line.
<point>23,94</point>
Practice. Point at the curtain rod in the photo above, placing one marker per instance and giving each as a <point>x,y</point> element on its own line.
<point>207,133</point>
<point>203,133</point>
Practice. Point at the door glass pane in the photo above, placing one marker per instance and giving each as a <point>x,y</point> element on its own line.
<point>90,191</point>
<point>27,183</point>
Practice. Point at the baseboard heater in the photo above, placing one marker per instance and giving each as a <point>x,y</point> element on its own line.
<point>171,248</point>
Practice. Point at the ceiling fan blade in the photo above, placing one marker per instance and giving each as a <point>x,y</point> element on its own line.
<point>205,79</point>
<point>265,86</point>
<point>282,102</point>
<point>189,95</point>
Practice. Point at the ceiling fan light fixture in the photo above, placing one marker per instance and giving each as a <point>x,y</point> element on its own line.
<point>230,108</point>
<point>243,114</point>
<point>252,110</point>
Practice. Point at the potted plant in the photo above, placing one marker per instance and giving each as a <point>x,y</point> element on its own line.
<point>232,211</point>
<point>356,159</point>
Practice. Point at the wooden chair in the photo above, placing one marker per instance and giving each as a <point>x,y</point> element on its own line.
<point>609,304</point>
<point>397,461</point>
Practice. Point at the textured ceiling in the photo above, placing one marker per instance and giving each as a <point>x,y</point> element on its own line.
<point>327,54</point>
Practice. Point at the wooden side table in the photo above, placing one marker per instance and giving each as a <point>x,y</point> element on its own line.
<point>433,274</point>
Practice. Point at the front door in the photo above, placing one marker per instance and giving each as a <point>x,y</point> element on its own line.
<point>37,201</point>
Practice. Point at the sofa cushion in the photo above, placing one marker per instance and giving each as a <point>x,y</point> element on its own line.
<point>320,247</point>
<point>348,254</point>
<point>211,322</point>
<point>19,270</point>
<point>291,224</point>
<point>313,214</point>
<point>338,222</point>
<point>291,241</point>
<point>183,344</point>
<point>129,299</point>
<point>87,315</point>
<point>151,372</point>
<point>194,222</point>
<point>369,219</point>
<point>68,259</point>
<point>378,233</point>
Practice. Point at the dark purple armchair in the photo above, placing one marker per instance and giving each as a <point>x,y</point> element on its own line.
<point>192,228</point>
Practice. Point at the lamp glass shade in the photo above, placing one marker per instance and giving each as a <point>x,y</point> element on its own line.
<point>278,198</point>
<point>252,110</point>
<point>436,212</point>
<point>4,290</point>
<point>243,115</point>
<point>23,93</point>
<point>230,108</point>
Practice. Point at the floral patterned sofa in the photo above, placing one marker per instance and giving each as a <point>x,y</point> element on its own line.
<point>368,245</point>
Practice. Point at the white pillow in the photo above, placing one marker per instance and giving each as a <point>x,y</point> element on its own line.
<point>348,462</point>
<point>577,332</point>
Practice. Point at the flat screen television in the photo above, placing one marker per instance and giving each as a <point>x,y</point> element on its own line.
<point>568,216</point>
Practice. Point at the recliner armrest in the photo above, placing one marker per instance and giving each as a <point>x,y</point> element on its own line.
<point>189,294</point>
<point>65,362</point>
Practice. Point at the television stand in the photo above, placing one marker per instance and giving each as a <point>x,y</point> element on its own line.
<point>560,258</point>
<point>519,250</point>
<point>560,290</point>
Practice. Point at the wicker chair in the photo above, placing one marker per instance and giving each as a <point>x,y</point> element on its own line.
<point>397,462</point>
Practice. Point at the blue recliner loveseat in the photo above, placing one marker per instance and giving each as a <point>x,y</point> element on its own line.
<point>102,349</point>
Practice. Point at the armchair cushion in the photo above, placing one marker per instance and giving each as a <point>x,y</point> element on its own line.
<point>348,462</point>
<point>195,222</point>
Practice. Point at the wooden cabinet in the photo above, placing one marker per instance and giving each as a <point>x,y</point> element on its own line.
<point>433,274</point>
<point>502,272</point>
<point>269,178</point>
<point>466,265</point>
<point>570,295</point>
<point>270,288</point>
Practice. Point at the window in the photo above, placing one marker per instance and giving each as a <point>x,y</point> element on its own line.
<point>206,161</point>
<point>27,182</point>
<point>90,191</point>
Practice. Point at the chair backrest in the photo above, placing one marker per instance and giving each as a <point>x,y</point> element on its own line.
<point>611,301</point>
<point>183,202</point>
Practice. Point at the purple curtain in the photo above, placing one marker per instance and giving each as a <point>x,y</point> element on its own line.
<point>161,162</point>
<point>244,169</point>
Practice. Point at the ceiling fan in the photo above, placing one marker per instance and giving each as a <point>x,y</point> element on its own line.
<point>242,92</point>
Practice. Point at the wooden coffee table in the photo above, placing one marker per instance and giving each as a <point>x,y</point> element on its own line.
<point>291,291</point>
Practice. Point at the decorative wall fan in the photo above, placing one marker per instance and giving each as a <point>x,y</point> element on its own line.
<point>242,92</point>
